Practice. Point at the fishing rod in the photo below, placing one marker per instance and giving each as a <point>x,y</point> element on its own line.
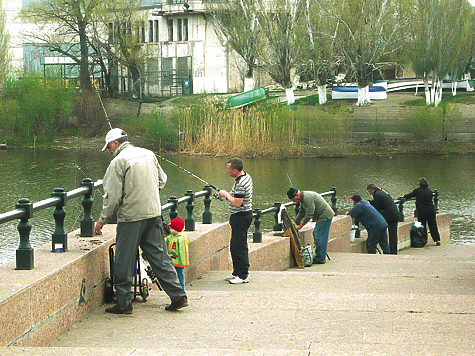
<point>291,184</point>
<point>173,163</point>
<point>215,195</point>
<point>103,107</point>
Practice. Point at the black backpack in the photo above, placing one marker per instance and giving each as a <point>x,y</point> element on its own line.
<point>418,236</point>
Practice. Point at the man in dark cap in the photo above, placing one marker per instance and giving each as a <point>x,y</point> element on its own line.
<point>374,223</point>
<point>312,205</point>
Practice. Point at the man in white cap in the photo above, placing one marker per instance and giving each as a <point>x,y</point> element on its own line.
<point>132,186</point>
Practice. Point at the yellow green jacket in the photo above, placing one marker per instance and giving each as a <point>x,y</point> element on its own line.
<point>178,249</point>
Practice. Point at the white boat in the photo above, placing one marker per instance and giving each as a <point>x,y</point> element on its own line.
<point>376,92</point>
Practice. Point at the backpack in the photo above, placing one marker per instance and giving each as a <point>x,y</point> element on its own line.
<point>418,236</point>
<point>307,255</point>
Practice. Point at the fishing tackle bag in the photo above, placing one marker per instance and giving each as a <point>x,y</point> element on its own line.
<point>418,236</point>
<point>307,255</point>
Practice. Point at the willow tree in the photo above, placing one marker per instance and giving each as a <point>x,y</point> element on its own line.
<point>316,59</point>
<point>439,42</point>
<point>278,22</point>
<point>62,27</point>
<point>116,39</point>
<point>368,30</point>
<point>235,24</point>
<point>5,56</point>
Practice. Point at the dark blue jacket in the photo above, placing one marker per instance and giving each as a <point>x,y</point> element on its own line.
<point>368,216</point>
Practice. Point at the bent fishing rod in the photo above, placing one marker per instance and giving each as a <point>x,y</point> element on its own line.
<point>167,160</point>
<point>187,171</point>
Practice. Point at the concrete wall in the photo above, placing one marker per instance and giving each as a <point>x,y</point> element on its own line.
<point>39,305</point>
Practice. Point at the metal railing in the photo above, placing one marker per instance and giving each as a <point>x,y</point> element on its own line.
<point>400,203</point>
<point>24,211</point>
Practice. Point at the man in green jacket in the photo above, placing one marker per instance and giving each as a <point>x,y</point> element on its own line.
<point>313,206</point>
<point>132,186</point>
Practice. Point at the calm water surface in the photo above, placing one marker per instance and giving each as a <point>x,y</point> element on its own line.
<point>34,174</point>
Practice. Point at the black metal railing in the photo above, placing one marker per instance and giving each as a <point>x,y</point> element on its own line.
<point>257,214</point>
<point>400,203</point>
<point>24,211</point>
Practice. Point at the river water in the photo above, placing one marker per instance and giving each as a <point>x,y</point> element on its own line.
<point>33,174</point>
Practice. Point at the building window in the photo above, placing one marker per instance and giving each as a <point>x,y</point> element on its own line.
<point>155,23</point>
<point>170,30</point>
<point>173,2</point>
<point>185,29</point>
<point>179,29</point>
<point>150,30</point>
<point>167,74</point>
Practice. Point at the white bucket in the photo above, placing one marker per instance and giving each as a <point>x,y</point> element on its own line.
<point>352,235</point>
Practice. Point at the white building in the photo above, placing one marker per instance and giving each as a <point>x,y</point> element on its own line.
<point>182,43</point>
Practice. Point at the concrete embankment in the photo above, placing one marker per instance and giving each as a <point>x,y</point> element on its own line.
<point>37,306</point>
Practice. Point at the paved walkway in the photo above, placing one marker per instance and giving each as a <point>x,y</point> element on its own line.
<point>420,302</point>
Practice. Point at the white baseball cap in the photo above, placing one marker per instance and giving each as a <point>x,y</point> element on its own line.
<point>113,135</point>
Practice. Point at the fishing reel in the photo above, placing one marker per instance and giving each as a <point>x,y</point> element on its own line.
<point>150,273</point>
<point>217,196</point>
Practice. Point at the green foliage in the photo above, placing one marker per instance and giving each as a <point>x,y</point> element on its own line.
<point>160,131</point>
<point>5,56</point>
<point>38,106</point>
<point>434,123</point>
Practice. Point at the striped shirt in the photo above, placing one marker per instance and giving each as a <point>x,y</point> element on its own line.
<point>242,189</point>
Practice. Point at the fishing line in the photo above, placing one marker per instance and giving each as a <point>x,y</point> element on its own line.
<point>103,107</point>
<point>161,157</point>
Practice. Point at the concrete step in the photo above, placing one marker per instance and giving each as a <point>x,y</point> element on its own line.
<point>356,304</point>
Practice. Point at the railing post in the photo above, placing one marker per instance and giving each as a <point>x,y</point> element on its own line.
<point>277,226</point>
<point>173,210</point>
<point>436,200</point>
<point>25,253</point>
<point>59,237</point>
<point>333,200</point>
<point>189,221</point>
<point>207,215</point>
<point>87,222</point>
<point>401,209</point>
<point>257,235</point>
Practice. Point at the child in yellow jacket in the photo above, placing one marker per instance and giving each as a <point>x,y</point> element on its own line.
<point>178,248</point>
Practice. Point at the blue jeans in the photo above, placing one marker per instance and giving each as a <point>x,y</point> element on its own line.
<point>181,276</point>
<point>320,236</point>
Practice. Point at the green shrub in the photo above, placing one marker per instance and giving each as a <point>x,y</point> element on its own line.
<point>43,105</point>
<point>160,131</point>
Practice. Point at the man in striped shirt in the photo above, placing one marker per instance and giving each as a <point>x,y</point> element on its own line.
<point>240,207</point>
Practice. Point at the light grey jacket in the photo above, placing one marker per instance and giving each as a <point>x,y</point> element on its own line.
<point>132,185</point>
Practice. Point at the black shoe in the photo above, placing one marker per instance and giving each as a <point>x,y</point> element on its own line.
<point>181,303</point>
<point>437,243</point>
<point>116,310</point>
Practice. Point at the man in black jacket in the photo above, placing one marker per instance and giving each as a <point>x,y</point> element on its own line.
<point>385,205</point>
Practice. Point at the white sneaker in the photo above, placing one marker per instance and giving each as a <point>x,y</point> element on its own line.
<point>228,278</point>
<point>238,280</point>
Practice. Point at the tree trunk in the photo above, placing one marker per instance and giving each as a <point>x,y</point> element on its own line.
<point>248,84</point>
<point>363,96</point>
<point>427,90</point>
<point>289,92</point>
<point>322,94</point>
<point>438,93</point>
<point>454,87</point>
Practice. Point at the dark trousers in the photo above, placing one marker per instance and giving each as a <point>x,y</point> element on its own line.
<point>377,237</point>
<point>148,234</point>
<point>392,232</point>
<point>240,223</point>
<point>427,216</point>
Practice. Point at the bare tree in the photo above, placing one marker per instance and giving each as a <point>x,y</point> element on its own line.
<point>62,27</point>
<point>316,59</point>
<point>368,30</point>
<point>278,20</point>
<point>236,25</point>
<point>5,56</point>
<point>439,42</point>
